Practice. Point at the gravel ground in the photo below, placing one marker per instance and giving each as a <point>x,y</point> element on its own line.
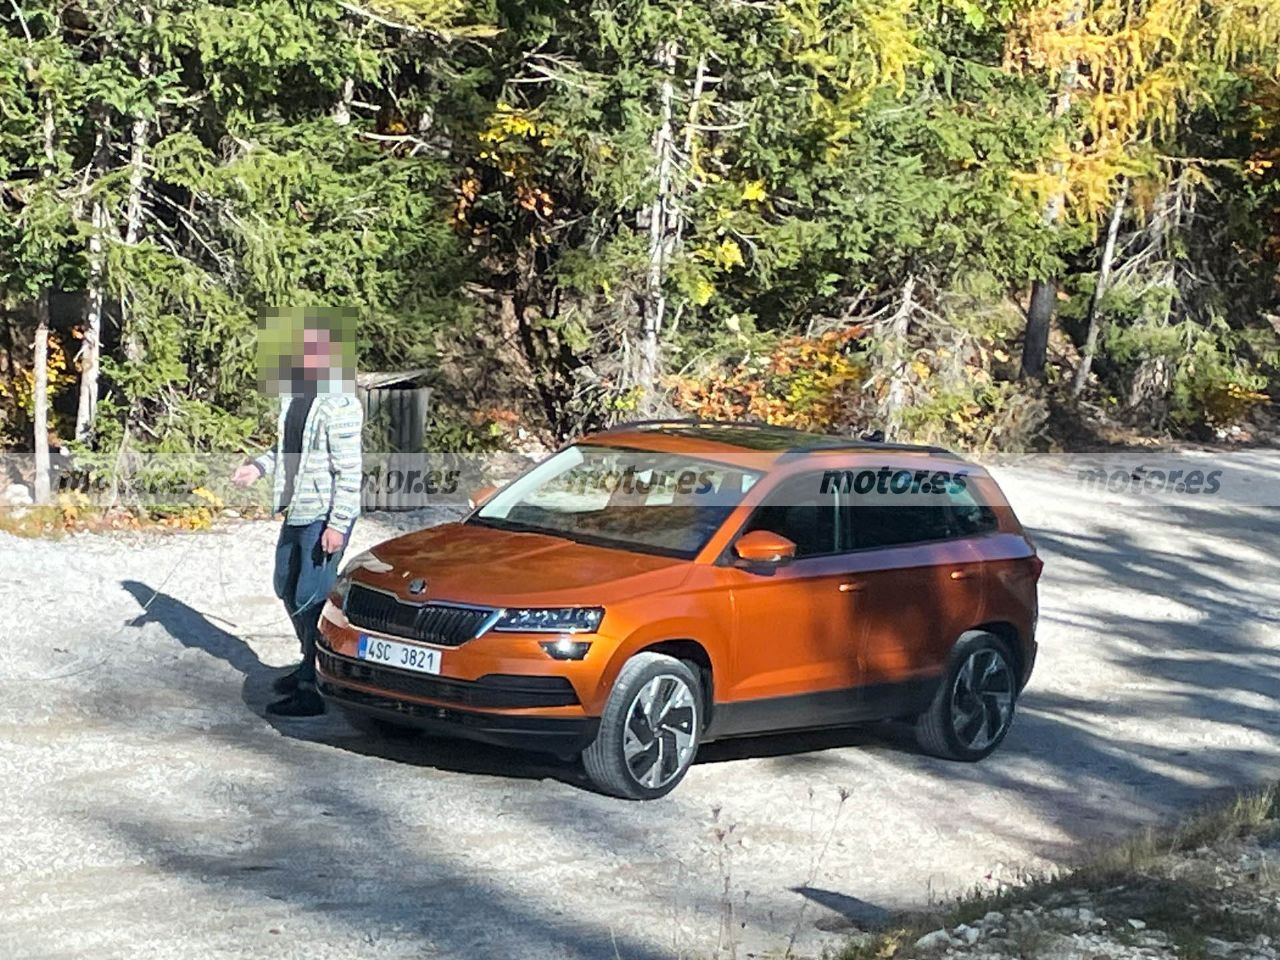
<point>147,808</point>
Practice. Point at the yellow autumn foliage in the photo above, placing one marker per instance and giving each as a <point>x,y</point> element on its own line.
<point>1133,67</point>
<point>19,391</point>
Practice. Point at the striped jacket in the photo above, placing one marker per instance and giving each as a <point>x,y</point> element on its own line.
<point>327,483</point>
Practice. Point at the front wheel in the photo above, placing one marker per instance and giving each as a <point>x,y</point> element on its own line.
<point>649,731</point>
<point>973,708</point>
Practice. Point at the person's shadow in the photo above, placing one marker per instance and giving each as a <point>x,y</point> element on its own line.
<point>195,630</point>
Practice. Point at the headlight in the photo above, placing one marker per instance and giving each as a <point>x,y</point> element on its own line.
<point>551,619</point>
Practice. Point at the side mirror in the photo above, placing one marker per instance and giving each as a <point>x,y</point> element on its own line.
<point>764,546</point>
<point>478,497</point>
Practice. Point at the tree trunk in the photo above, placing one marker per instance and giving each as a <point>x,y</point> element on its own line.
<point>40,398</point>
<point>342,108</point>
<point>137,174</point>
<point>1035,343</point>
<point>1044,291</point>
<point>139,131</point>
<point>691,132</point>
<point>95,295</point>
<point>1149,392</point>
<point>1100,289</point>
<point>40,344</point>
<point>90,345</point>
<point>661,215</point>
<point>897,350</point>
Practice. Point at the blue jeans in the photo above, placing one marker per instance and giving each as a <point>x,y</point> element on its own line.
<point>304,576</point>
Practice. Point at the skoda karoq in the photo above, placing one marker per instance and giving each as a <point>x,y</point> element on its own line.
<point>663,584</point>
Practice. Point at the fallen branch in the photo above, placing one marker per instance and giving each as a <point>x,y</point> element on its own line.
<point>378,18</point>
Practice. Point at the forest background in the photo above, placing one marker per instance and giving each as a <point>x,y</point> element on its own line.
<point>995,224</point>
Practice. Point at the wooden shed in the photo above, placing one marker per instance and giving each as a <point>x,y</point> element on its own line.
<point>396,404</point>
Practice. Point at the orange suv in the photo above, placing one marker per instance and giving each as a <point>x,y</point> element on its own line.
<point>663,584</point>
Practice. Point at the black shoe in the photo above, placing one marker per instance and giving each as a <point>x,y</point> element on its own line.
<point>286,684</point>
<point>303,703</point>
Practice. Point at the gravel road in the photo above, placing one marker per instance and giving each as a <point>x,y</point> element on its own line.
<point>147,808</point>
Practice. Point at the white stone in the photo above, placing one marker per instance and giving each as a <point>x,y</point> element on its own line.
<point>935,940</point>
<point>16,495</point>
<point>1137,924</point>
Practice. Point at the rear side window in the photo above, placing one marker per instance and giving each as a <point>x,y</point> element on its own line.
<point>894,524</point>
<point>800,510</point>
<point>971,517</point>
<point>912,506</point>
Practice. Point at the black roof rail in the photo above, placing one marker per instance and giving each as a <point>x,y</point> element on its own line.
<point>855,445</point>
<point>788,441</point>
<point>699,422</point>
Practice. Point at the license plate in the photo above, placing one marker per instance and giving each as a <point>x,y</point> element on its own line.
<point>403,655</point>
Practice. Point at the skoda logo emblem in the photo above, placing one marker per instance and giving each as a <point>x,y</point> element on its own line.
<point>417,586</point>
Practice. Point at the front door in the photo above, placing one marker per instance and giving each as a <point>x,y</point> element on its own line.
<point>796,651</point>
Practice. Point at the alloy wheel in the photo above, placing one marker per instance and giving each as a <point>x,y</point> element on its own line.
<point>660,734</point>
<point>982,699</point>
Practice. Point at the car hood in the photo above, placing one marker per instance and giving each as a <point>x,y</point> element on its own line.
<point>470,563</point>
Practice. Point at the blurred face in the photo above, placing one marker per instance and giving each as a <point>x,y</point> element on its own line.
<point>317,355</point>
<point>306,350</point>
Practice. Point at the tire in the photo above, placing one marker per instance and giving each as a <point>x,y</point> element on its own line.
<point>973,708</point>
<point>619,761</point>
<point>377,727</point>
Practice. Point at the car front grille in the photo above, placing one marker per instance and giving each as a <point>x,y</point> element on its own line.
<point>495,691</point>
<point>443,624</point>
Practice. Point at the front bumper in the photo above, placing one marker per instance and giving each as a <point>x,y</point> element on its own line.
<point>562,736</point>
<point>491,698</point>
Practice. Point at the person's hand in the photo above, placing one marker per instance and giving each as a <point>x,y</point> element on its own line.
<point>331,540</point>
<point>246,475</point>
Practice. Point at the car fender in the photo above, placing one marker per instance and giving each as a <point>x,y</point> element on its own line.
<point>697,629</point>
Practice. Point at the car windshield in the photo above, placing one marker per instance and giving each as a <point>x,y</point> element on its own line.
<point>612,496</point>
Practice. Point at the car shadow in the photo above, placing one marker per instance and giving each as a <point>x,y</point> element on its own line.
<point>797,745</point>
<point>452,755</point>
<point>195,630</point>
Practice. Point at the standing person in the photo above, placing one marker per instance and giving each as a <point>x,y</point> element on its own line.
<point>316,464</point>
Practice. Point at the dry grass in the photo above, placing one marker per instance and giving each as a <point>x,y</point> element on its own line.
<point>1169,877</point>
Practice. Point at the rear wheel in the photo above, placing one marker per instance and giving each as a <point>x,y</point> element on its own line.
<point>973,708</point>
<point>650,729</point>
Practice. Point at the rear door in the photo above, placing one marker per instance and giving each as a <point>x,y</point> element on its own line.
<point>916,584</point>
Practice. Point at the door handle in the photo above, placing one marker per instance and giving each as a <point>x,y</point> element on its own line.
<point>961,574</point>
<point>851,586</point>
